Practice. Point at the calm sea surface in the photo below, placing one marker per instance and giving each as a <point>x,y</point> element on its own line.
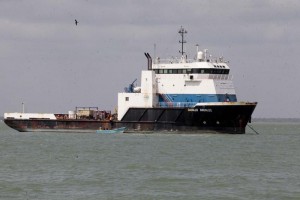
<point>135,166</point>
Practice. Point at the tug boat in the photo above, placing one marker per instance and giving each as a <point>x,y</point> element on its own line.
<point>177,95</point>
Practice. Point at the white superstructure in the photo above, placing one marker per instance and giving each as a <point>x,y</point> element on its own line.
<point>146,97</point>
<point>180,83</point>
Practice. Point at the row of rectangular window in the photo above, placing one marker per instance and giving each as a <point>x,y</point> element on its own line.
<point>191,71</point>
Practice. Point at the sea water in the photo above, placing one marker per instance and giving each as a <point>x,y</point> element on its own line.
<point>153,166</point>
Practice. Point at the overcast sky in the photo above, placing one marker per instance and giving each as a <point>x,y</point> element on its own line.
<point>52,65</point>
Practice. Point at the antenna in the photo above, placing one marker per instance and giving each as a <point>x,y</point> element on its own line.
<point>154,52</point>
<point>182,31</point>
<point>23,107</point>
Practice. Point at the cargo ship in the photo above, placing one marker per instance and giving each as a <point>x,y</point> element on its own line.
<point>176,95</point>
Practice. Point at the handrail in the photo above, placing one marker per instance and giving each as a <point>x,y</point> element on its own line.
<point>221,76</point>
<point>176,104</point>
<point>172,60</point>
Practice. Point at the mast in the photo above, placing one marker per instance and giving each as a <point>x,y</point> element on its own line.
<point>182,31</point>
<point>23,107</point>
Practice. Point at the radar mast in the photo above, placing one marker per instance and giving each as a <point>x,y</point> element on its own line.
<point>182,31</point>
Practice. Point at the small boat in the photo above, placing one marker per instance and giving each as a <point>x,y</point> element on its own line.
<point>116,130</point>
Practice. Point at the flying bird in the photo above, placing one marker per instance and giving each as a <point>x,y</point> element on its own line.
<point>76,22</point>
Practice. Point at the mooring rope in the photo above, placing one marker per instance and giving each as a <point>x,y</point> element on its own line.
<point>252,129</point>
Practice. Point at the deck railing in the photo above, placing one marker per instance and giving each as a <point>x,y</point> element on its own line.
<point>176,104</point>
<point>221,76</point>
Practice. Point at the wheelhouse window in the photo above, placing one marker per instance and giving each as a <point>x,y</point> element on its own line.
<point>216,70</point>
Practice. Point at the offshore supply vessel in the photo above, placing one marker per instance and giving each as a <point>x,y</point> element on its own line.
<point>177,95</point>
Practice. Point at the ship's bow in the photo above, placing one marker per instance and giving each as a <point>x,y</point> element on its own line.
<point>231,117</point>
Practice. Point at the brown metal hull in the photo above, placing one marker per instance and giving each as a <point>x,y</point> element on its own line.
<point>220,119</point>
